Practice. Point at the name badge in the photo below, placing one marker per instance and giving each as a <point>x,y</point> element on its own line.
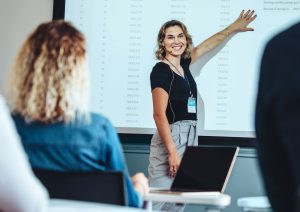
<point>191,105</point>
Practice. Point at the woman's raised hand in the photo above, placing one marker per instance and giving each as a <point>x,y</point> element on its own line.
<point>242,22</point>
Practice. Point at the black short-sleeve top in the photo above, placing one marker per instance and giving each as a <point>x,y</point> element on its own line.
<point>178,89</point>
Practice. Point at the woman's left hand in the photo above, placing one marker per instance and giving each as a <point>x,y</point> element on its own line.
<point>242,22</point>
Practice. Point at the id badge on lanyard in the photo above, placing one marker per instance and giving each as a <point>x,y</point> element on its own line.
<point>191,105</point>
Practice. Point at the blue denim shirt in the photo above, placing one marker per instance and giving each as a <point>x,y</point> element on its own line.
<point>76,146</point>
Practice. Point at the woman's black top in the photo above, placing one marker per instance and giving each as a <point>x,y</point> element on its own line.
<point>178,89</point>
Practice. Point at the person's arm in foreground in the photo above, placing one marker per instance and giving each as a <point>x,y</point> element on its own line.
<point>137,185</point>
<point>19,188</point>
<point>239,25</point>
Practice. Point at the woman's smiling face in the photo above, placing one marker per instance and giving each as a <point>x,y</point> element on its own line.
<point>175,41</point>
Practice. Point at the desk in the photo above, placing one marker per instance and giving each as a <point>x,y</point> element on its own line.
<point>213,203</point>
<point>59,205</point>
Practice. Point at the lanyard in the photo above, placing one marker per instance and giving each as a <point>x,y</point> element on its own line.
<point>183,76</point>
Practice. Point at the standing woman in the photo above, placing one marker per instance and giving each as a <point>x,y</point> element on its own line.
<point>174,94</point>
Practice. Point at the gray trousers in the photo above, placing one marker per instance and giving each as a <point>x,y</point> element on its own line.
<point>184,133</point>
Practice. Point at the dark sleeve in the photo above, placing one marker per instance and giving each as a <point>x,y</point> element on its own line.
<point>277,123</point>
<point>116,162</point>
<point>161,77</point>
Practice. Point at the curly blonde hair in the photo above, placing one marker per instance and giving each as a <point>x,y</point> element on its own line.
<point>49,80</point>
<point>160,52</point>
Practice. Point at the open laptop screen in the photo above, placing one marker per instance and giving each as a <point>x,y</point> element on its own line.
<point>205,168</point>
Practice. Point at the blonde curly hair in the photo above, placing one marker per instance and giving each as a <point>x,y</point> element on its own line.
<point>49,80</point>
<point>160,52</point>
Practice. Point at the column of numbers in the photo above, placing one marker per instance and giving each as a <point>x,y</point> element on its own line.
<point>102,53</point>
<point>222,93</point>
<point>134,57</point>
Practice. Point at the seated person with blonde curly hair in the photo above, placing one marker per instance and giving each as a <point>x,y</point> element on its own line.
<point>49,101</point>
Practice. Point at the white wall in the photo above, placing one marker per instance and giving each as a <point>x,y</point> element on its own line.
<point>18,18</point>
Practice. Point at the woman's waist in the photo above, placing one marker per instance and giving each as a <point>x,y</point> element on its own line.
<point>186,122</point>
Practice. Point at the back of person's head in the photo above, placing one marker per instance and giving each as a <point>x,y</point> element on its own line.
<point>49,81</point>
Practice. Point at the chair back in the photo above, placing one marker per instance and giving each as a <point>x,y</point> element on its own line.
<point>97,186</point>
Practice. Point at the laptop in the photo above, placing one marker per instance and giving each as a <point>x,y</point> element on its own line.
<point>203,170</point>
